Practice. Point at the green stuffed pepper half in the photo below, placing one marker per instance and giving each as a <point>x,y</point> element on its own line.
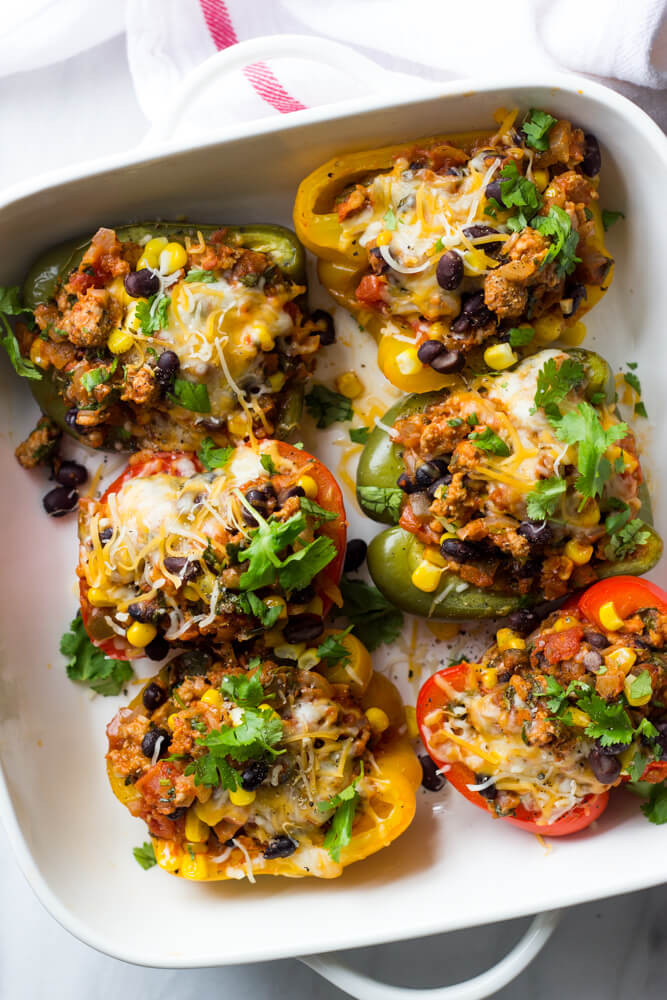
<point>160,335</point>
<point>516,489</point>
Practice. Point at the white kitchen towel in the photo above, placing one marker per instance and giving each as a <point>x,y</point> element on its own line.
<point>436,39</point>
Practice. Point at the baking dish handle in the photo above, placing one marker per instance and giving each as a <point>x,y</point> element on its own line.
<point>358,985</point>
<point>311,47</point>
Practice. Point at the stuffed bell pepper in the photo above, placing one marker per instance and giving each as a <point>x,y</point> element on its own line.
<point>540,730</point>
<point>453,251</point>
<point>516,489</point>
<point>157,335</point>
<point>175,552</point>
<point>251,766</point>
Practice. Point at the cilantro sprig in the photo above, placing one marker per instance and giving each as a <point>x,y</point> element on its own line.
<point>536,129</point>
<point>374,620</point>
<point>88,665</point>
<point>212,457</point>
<point>10,305</point>
<point>488,441</point>
<point>655,809</point>
<point>190,395</point>
<point>555,382</point>
<point>145,855</point>
<point>564,239</point>
<point>328,407</point>
<point>583,428</point>
<point>543,500</point>
<point>345,803</point>
<point>152,315</point>
<point>382,500</point>
<point>332,649</point>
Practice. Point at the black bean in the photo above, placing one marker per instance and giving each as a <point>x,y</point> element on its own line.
<point>474,232</point>
<point>70,418</point>
<point>153,696</point>
<point>60,501</point>
<point>434,487</point>
<point>302,596</point>
<point>605,768</point>
<point>355,553</point>
<point>257,500</point>
<point>143,611</point>
<point>150,740</point>
<point>426,474</point>
<point>407,484</point>
<point>492,190</point>
<point>142,283</point>
<point>303,628</point>
<point>280,847</point>
<point>253,775</point>
<point>429,351</point>
<point>450,361</point>
<point>460,552</point>
<point>194,663</point>
<point>596,640</point>
<point>523,621</point>
<point>592,160</point>
<point>181,566</point>
<point>167,366</point>
<point>474,314</point>
<point>490,792</point>
<point>592,660</point>
<point>431,780</point>
<point>577,293</point>
<point>71,474</point>
<point>106,534</point>
<point>157,649</point>
<point>662,739</point>
<point>449,272</point>
<point>610,751</point>
<point>294,491</point>
<point>328,335</point>
<point>538,534</point>
<point>177,813</point>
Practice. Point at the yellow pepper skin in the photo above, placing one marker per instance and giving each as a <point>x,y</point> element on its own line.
<point>342,263</point>
<point>393,798</point>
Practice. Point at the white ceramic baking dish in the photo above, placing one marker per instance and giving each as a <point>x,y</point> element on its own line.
<point>455,867</point>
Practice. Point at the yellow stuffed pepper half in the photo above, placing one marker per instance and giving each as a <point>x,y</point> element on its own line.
<point>281,761</point>
<point>456,250</point>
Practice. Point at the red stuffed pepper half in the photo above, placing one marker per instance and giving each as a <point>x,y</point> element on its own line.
<point>550,720</point>
<point>231,543</point>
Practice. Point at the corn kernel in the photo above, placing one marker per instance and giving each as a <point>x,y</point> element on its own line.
<point>609,617</point>
<point>195,829</point>
<point>309,486</point>
<point>165,857</point>
<point>378,719</point>
<point>506,638</point>
<point>265,707</point>
<point>210,812</point>
<point>622,658</point>
<point>191,593</point>
<point>308,659</point>
<point>195,867</point>
<point>636,702</point>
<point>212,697</point>
<point>98,598</point>
<point>408,362</point>
<point>564,623</point>
<point>37,353</point>
<point>489,678</point>
<point>140,634</point>
<point>548,328</point>
<point>579,719</point>
<point>474,261</point>
<point>426,577</point>
<point>264,336</point>
<point>315,607</point>
<point>540,179</point>
<point>277,381</point>
<point>589,516</point>
<point>171,721</point>
<point>384,239</point>
<point>156,245</point>
<point>579,554</point>
<point>411,720</point>
<point>120,341</point>
<point>443,630</point>
<point>500,356</point>
<point>238,424</point>
<point>118,292</point>
<point>290,651</point>
<point>148,260</point>
<point>574,334</point>
<point>349,385</point>
<point>240,797</point>
<point>273,601</point>
<point>173,258</point>
<point>433,555</point>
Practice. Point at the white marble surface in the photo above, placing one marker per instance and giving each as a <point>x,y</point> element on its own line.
<point>612,950</point>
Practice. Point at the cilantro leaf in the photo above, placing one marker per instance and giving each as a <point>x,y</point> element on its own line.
<point>98,376</point>
<point>647,730</point>
<point>624,542</point>
<point>640,410</point>
<point>10,305</point>
<point>609,218</point>
<point>303,566</point>
<point>88,664</point>
<point>332,649</point>
<point>212,457</point>
<point>638,766</point>
<point>610,723</point>
<point>190,395</point>
<point>145,855</point>
<point>521,335</point>
<point>555,694</point>
<point>390,219</point>
<point>536,129</point>
<point>489,442</point>
<point>152,315</point>
<point>245,690</point>
<point>543,500</point>
<point>269,539</point>
<point>345,803</point>
<point>251,604</point>
<point>359,434</point>
<point>374,620</point>
<point>327,407</point>
<point>517,191</point>
<point>314,510</point>
<point>558,226</point>
<point>655,809</point>
<point>583,428</point>
<point>631,379</point>
<point>618,518</point>
<point>641,686</point>
<point>268,464</point>
<point>382,499</point>
<point>256,736</point>
<point>554,383</point>
<point>197,275</point>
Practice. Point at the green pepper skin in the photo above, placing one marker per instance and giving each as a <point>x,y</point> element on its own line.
<point>394,554</point>
<point>55,265</point>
